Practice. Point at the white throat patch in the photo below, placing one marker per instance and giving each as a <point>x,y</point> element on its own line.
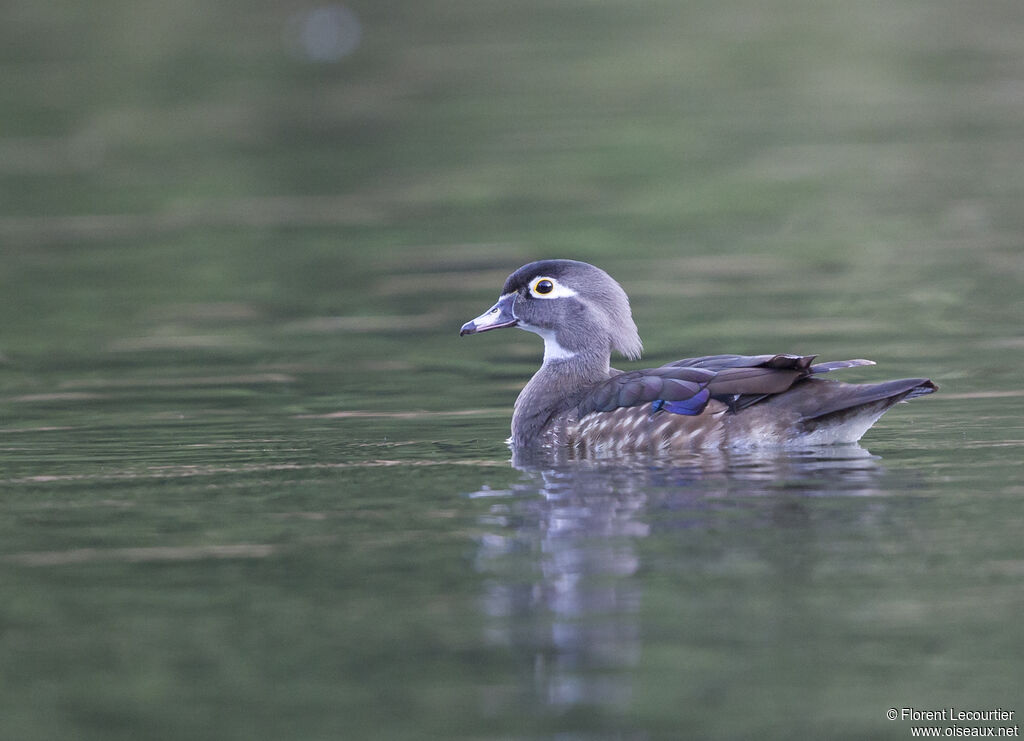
<point>552,350</point>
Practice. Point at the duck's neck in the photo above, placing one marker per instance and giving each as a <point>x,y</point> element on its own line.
<point>555,388</point>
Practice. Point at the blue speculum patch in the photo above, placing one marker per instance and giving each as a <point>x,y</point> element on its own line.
<point>690,407</point>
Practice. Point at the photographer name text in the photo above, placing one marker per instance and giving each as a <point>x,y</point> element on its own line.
<point>951,714</point>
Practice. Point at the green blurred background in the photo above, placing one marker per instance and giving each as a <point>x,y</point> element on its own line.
<point>236,236</point>
<point>286,154</point>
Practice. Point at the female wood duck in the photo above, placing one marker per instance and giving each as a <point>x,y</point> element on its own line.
<point>577,400</point>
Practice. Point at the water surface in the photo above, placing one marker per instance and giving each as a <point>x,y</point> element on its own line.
<point>254,486</point>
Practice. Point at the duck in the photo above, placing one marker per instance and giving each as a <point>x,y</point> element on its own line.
<point>576,400</point>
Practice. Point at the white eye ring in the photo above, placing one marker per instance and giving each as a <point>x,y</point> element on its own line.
<point>558,290</point>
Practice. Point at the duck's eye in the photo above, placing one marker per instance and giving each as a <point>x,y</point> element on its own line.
<point>549,288</point>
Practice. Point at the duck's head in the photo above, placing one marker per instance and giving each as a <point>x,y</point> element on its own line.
<point>578,310</point>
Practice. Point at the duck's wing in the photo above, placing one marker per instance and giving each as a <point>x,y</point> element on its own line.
<point>685,386</point>
<point>743,380</point>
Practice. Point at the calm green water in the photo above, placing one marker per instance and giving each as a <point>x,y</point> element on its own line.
<point>254,486</point>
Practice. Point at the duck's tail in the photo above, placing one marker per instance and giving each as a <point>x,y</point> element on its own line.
<point>833,412</point>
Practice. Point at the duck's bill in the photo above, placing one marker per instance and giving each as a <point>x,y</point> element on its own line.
<point>498,316</point>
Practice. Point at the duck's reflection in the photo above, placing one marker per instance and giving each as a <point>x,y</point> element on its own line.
<point>560,554</point>
<point>561,549</point>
